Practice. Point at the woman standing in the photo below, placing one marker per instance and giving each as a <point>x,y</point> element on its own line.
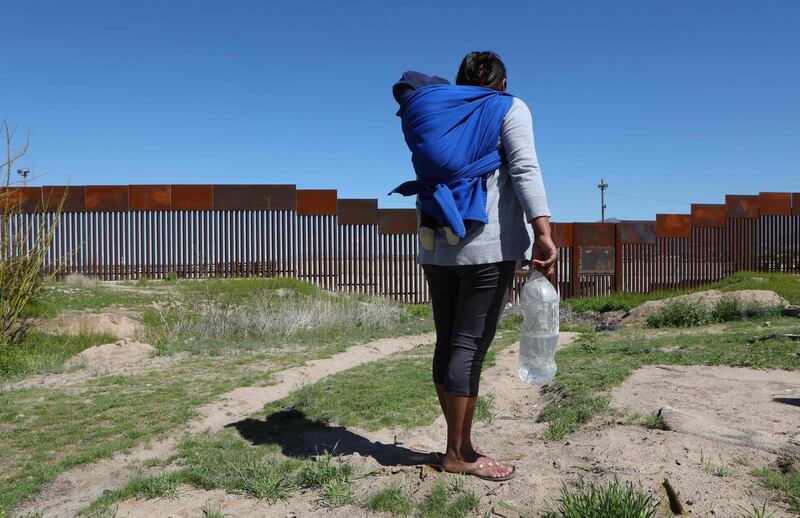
<point>482,209</point>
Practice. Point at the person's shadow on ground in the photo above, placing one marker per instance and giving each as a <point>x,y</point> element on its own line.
<point>794,401</point>
<point>299,436</point>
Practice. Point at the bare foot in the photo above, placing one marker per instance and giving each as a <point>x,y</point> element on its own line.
<point>478,465</point>
<point>476,450</point>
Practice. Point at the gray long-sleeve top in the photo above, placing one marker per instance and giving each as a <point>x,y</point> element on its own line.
<point>514,196</point>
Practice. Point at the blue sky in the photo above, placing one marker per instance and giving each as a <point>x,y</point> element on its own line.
<point>670,102</point>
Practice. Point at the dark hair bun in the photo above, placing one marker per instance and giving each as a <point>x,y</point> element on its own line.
<point>482,69</point>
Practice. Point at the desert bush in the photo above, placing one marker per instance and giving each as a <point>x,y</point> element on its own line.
<point>23,250</point>
<point>76,280</point>
<point>679,314</point>
<point>269,316</point>
<point>727,309</point>
<point>617,500</point>
<point>688,314</point>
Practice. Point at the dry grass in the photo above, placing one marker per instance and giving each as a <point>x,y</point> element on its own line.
<point>270,316</point>
<point>76,280</point>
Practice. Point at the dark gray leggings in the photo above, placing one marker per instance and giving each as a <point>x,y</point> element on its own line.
<point>467,304</point>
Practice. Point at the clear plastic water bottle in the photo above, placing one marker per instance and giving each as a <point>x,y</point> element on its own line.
<point>539,335</point>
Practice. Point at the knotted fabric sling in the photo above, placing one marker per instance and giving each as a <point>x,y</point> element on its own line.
<point>452,132</point>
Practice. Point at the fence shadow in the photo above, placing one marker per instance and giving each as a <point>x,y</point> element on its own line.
<point>299,436</point>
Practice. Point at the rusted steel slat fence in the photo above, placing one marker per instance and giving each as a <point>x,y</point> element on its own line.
<point>119,232</point>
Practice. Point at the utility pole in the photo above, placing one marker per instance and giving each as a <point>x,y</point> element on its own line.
<point>24,174</point>
<point>602,186</point>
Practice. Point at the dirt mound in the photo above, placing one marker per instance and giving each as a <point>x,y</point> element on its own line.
<point>111,356</point>
<point>708,298</point>
<point>117,324</point>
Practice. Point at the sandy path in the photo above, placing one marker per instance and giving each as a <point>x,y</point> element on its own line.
<point>77,488</point>
<point>384,452</point>
<point>599,451</point>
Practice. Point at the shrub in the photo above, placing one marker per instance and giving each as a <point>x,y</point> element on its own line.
<point>76,280</point>
<point>617,500</point>
<point>23,251</point>
<point>266,316</point>
<point>727,309</point>
<point>679,314</point>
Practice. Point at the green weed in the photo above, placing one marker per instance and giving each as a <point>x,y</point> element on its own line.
<point>448,501</point>
<point>484,409</point>
<point>727,309</point>
<point>265,479</point>
<point>651,420</point>
<point>391,499</point>
<point>754,511</point>
<point>336,493</point>
<point>709,467</point>
<point>592,501</point>
<point>679,314</point>
<point>322,470</point>
<point>787,484</point>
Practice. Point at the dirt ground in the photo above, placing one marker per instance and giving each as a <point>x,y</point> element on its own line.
<point>78,487</point>
<point>603,449</point>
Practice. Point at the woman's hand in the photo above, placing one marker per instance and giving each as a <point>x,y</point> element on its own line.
<point>545,251</point>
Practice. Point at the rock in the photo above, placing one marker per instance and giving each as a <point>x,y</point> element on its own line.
<point>610,320</point>
<point>703,426</point>
<point>612,317</point>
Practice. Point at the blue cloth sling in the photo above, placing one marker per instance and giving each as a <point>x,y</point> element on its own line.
<point>452,132</point>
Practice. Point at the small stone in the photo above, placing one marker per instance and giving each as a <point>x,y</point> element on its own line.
<point>556,464</point>
<point>677,462</point>
<point>689,502</point>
